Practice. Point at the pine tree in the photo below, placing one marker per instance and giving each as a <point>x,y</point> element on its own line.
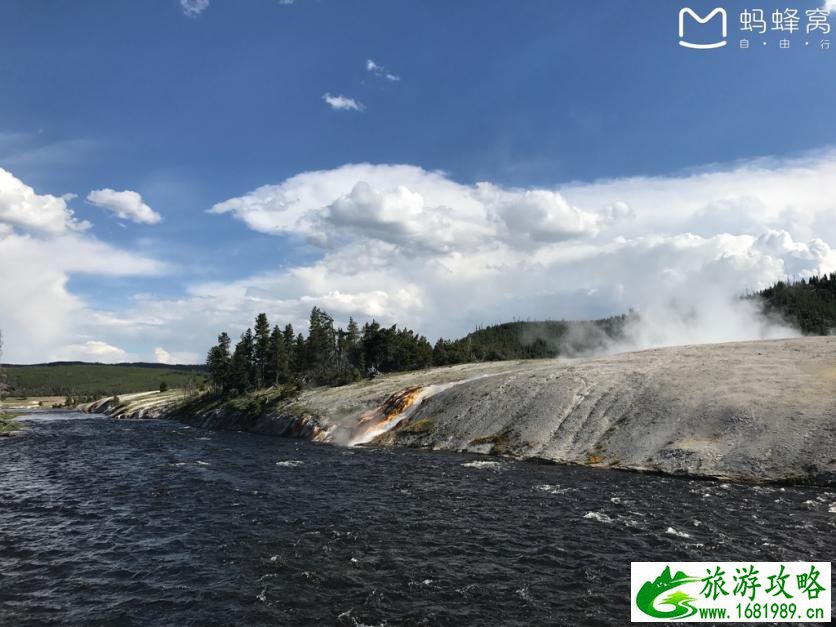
<point>261,349</point>
<point>218,364</point>
<point>289,338</point>
<point>352,344</point>
<point>242,370</point>
<point>278,367</point>
<point>321,346</point>
<point>299,358</point>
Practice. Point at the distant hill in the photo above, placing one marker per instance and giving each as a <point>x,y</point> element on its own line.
<point>808,304</point>
<point>531,340</point>
<point>79,379</point>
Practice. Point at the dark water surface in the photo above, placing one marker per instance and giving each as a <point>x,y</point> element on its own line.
<point>138,522</point>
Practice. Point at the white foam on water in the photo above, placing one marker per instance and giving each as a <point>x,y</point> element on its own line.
<point>290,463</point>
<point>599,516</point>
<point>483,464</point>
<point>202,463</point>
<point>679,534</point>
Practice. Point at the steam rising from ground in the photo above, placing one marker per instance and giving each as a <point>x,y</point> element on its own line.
<point>719,318</point>
<point>710,315</point>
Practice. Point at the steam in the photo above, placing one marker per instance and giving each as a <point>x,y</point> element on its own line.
<point>726,319</point>
<point>705,315</point>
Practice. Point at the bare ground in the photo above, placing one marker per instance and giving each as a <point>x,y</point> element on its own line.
<point>751,411</point>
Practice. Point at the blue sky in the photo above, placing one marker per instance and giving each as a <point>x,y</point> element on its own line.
<point>189,111</point>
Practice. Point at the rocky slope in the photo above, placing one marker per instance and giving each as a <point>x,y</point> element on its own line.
<point>752,411</point>
<point>137,405</point>
<point>748,411</point>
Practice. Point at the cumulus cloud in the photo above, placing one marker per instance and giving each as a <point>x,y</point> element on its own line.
<point>42,319</point>
<point>830,5</point>
<point>380,72</point>
<point>412,209</point>
<point>44,314</point>
<point>21,207</point>
<point>343,103</point>
<point>92,350</point>
<point>193,8</point>
<point>127,205</point>
<point>162,356</point>
<point>405,244</point>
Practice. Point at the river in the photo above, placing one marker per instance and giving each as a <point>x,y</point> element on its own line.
<point>150,522</point>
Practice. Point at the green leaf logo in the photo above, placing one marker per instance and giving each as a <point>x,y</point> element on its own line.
<point>678,600</point>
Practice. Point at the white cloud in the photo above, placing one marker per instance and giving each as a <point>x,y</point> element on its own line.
<point>412,209</point>
<point>92,350</point>
<point>413,246</point>
<point>40,317</point>
<point>380,71</point>
<point>193,8</point>
<point>21,207</point>
<point>162,356</point>
<point>343,103</point>
<point>127,205</point>
<point>830,5</point>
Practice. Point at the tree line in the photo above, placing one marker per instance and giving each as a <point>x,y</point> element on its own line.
<point>266,355</point>
<point>808,304</point>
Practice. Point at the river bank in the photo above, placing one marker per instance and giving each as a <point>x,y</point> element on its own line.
<point>748,411</point>
<point>8,424</point>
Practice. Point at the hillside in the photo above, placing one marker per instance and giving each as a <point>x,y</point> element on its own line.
<point>532,340</point>
<point>750,411</point>
<point>80,379</point>
<point>808,304</point>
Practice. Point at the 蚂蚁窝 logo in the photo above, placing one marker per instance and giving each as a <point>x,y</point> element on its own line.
<point>719,11</point>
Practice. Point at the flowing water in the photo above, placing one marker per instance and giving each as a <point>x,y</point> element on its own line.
<point>148,522</point>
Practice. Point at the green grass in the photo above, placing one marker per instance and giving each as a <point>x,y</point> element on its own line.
<point>7,423</point>
<point>255,403</point>
<point>97,380</point>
